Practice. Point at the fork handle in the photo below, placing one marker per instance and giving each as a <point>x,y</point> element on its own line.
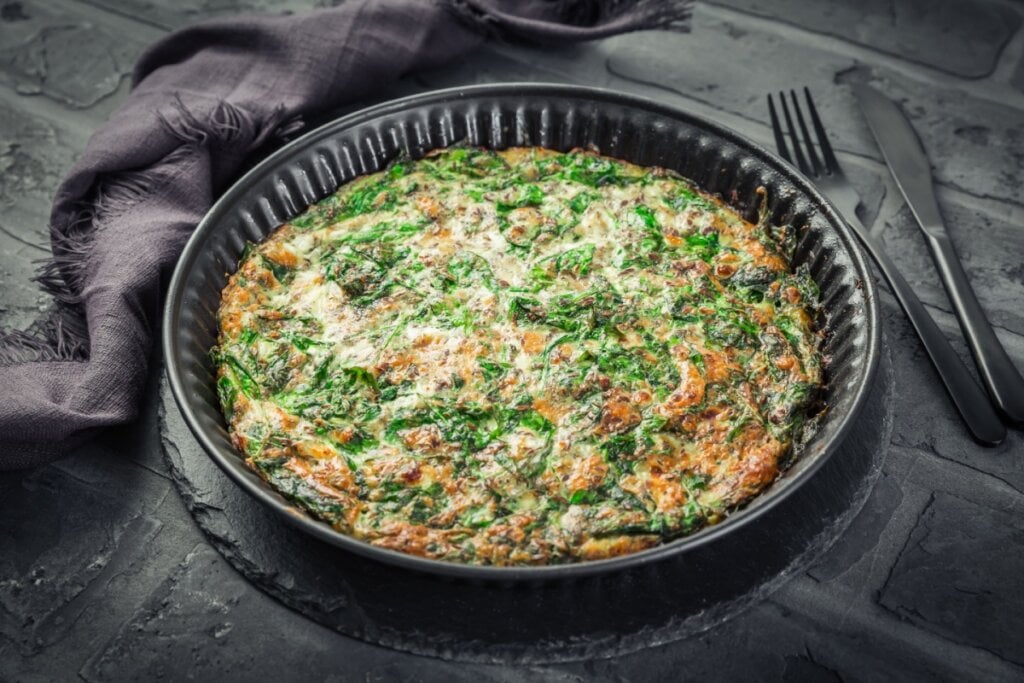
<point>1002,379</point>
<point>970,399</point>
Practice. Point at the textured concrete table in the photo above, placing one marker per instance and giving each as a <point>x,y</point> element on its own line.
<point>104,575</point>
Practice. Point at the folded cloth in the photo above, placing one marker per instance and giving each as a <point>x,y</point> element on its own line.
<point>203,101</point>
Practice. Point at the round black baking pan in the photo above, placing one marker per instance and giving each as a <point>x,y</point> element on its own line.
<point>557,117</point>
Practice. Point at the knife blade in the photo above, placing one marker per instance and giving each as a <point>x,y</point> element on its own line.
<point>905,156</point>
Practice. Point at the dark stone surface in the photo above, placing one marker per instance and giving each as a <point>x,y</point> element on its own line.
<point>927,422</point>
<point>990,243</point>
<point>50,553</point>
<point>33,154</point>
<point>171,14</point>
<point>35,59</point>
<point>961,565</point>
<point>198,604</point>
<point>1018,75</point>
<point>770,643</point>
<point>975,144</point>
<point>105,575</point>
<point>963,37</point>
<point>203,613</point>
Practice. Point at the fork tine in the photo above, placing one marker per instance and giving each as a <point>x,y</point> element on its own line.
<point>780,139</point>
<point>801,162</point>
<point>812,155</point>
<point>831,163</point>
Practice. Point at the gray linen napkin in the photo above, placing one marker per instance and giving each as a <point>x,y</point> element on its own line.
<point>204,100</point>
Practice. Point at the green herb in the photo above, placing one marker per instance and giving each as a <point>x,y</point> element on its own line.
<point>460,163</point>
<point>355,377</point>
<point>731,328</point>
<point>533,420</point>
<point>492,370</point>
<point>523,308</point>
<point>363,196</point>
<point>243,378</point>
<point>358,443</point>
<point>737,428</point>
<point>478,517</point>
<point>281,273</point>
<point>529,195</point>
<point>695,481</point>
<point>302,492</point>
<point>583,497</point>
<point>369,272</point>
<point>575,261</point>
<point>586,169</point>
<point>466,269</point>
<point>227,393</point>
<point>383,232</point>
<point>702,246</point>
<point>619,451</point>
<point>654,239</point>
<point>686,198</point>
<point>579,203</point>
<point>397,170</point>
<point>304,343</point>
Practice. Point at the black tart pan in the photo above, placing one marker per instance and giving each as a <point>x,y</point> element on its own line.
<point>558,117</point>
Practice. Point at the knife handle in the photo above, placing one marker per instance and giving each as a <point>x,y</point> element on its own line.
<point>969,398</point>
<point>1002,379</point>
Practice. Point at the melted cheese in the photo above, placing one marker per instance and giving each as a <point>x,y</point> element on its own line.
<point>521,357</point>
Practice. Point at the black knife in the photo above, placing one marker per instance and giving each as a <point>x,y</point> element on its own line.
<point>909,166</point>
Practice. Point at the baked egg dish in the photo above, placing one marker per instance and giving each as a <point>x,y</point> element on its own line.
<point>519,357</point>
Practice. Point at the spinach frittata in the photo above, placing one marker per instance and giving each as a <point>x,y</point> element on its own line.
<point>519,357</point>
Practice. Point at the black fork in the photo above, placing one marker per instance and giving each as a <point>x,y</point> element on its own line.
<point>826,173</point>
